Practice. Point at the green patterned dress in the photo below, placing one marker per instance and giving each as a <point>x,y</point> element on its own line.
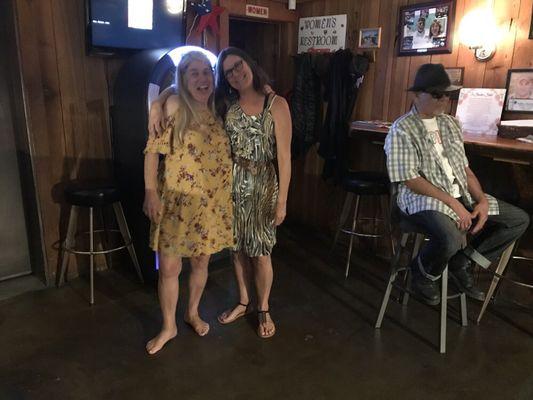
<point>255,182</point>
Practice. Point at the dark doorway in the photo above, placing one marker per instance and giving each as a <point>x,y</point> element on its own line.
<point>261,41</point>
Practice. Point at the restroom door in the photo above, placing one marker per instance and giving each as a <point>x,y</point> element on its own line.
<point>14,250</point>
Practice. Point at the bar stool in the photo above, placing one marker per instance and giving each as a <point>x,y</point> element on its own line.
<point>94,195</point>
<point>407,233</point>
<point>505,258</point>
<point>359,184</point>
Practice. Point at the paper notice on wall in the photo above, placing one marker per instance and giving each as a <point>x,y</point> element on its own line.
<point>480,110</point>
<point>322,34</point>
<point>140,14</point>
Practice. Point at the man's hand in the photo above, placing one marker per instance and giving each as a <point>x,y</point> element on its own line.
<point>156,119</point>
<point>481,212</point>
<point>152,205</point>
<point>465,218</point>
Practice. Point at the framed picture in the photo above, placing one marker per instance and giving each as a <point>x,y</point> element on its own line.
<point>519,86</point>
<point>426,28</point>
<point>370,38</point>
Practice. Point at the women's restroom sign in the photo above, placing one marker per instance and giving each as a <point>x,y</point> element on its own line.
<point>322,34</point>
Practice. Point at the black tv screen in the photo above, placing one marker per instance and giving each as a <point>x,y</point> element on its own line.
<point>135,24</point>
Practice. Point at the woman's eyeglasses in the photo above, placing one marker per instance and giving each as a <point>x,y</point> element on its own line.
<point>237,67</point>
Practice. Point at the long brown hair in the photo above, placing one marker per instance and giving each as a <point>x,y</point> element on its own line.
<point>224,93</point>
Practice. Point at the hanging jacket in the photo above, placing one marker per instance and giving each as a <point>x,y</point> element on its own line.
<point>346,73</point>
<point>306,105</point>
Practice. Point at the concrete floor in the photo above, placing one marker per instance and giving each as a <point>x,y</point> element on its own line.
<point>55,346</point>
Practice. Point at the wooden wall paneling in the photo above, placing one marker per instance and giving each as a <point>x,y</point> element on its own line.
<point>474,70</point>
<point>288,48</point>
<point>386,58</point>
<point>369,19</point>
<point>400,77</point>
<point>507,12</point>
<point>224,30</point>
<point>26,12</point>
<point>383,60</point>
<point>523,46</point>
<point>84,106</point>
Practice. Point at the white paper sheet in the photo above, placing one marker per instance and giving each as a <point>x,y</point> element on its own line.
<point>480,110</point>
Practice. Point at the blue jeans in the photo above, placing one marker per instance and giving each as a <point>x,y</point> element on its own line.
<point>446,240</point>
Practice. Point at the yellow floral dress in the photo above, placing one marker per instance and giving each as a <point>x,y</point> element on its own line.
<point>195,180</point>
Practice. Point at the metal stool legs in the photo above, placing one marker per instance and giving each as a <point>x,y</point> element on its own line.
<point>344,215</point>
<point>69,241</point>
<point>392,277</point>
<point>354,223</point>
<point>395,269</point>
<point>502,265</point>
<point>68,245</point>
<point>342,218</point>
<point>123,226</point>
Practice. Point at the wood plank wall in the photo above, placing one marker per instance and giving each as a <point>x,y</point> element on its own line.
<point>67,101</point>
<point>383,96</point>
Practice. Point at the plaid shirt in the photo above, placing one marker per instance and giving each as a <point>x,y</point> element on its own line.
<point>411,153</point>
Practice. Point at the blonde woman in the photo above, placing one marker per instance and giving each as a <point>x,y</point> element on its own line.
<point>188,194</point>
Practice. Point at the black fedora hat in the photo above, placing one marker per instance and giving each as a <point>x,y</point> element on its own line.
<point>432,78</point>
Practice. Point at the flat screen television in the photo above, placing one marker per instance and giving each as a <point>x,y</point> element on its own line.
<point>114,25</point>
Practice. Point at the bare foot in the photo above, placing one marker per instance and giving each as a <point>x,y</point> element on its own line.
<point>157,343</point>
<point>266,326</point>
<point>233,314</point>
<point>198,324</point>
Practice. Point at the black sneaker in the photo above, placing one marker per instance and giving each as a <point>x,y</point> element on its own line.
<point>464,281</point>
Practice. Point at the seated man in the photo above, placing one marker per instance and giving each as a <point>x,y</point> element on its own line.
<point>440,195</point>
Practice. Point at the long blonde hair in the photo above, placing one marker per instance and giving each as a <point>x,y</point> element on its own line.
<point>187,114</point>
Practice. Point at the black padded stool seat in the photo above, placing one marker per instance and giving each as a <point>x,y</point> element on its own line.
<point>91,194</point>
<point>366,183</point>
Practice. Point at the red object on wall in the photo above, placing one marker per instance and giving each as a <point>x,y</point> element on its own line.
<point>210,20</point>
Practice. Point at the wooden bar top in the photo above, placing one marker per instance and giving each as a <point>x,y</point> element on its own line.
<point>501,149</point>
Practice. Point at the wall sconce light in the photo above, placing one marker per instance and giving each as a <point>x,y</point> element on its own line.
<point>478,30</point>
<point>292,5</point>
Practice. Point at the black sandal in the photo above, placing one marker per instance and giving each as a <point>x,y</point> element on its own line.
<point>262,317</point>
<point>242,314</point>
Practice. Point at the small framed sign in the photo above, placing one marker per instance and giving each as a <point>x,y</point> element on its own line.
<point>256,11</point>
